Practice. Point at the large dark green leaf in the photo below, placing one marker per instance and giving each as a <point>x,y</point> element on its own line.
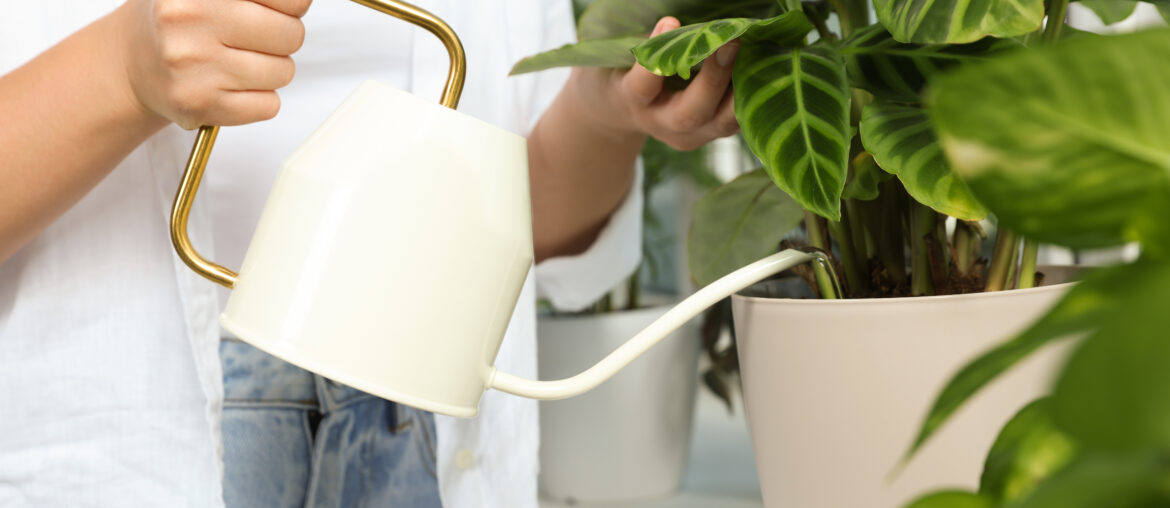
<point>1111,11</point>
<point>614,52</point>
<point>738,223</point>
<point>1104,481</point>
<point>897,71</point>
<point>958,21</point>
<point>1113,392</point>
<point>902,140</point>
<point>611,18</point>
<point>793,107</point>
<point>1028,449</point>
<point>952,499</point>
<point>1164,10</point>
<point>1068,144</point>
<point>678,51</point>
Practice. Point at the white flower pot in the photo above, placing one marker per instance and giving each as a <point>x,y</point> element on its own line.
<point>627,439</point>
<point>836,390</point>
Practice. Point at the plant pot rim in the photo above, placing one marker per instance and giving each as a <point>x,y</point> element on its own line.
<point>922,300</point>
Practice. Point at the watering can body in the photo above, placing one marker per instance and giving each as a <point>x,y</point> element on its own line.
<point>397,232</point>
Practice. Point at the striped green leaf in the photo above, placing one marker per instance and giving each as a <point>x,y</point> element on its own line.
<point>952,499</point>
<point>897,71</point>
<point>679,51</point>
<point>902,141</point>
<point>1068,144</point>
<point>1028,449</point>
<point>738,223</point>
<point>958,21</point>
<point>793,107</point>
<point>605,19</point>
<point>1111,11</point>
<point>614,52</point>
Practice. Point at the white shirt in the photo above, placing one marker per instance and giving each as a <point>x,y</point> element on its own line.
<point>110,381</point>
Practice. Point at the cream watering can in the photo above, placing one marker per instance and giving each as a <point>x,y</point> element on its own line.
<point>394,245</point>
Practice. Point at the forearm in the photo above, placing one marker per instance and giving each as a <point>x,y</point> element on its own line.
<point>69,118</point>
<point>580,172</point>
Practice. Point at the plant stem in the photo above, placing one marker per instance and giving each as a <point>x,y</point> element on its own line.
<point>857,230</point>
<point>854,275</point>
<point>964,255</point>
<point>890,239</point>
<point>822,28</point>
<point>844,17</point>
<point>922,221</point>
<point>1001,257</point>
<point>634,290</point>
<point>1013,266</point>
<point>1057,11</point>
<point>1028,264</point>
<point>817,237</point>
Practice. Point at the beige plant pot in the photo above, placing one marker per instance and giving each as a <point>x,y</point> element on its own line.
<point>836,390</point>
<point>627,439</point>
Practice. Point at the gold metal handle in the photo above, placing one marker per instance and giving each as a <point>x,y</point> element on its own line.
<point>204,141</point>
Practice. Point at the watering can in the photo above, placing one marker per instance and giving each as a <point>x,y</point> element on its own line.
<point>393,247</point>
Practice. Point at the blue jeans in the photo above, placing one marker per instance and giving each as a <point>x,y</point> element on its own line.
<point>295,439</point>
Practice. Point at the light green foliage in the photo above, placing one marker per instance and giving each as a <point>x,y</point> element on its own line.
<point>1028,450</point>
<point>1104,481</point>
<point>680,50</point>
<point>611,18</point>
<point>897,71</point>
<point>1113,393</point>
<point>902,140</point>
<point>952,499</point>
<point>1111,11</point>
<point>738,223</point>
<point>958,21</point>
<point>864,178</point>
<point>793,107</point>
<point>1068,144</point>
<point>592,53</point>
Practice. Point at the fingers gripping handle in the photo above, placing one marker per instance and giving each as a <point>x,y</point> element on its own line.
<point>205,139</point>
<point>658,330</point>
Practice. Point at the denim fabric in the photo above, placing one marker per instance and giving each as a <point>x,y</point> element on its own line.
<point>295,439</point>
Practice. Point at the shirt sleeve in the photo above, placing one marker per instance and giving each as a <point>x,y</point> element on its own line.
<point>571,283</point>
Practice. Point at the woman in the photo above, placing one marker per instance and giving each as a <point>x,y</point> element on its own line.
<point>110,355</point>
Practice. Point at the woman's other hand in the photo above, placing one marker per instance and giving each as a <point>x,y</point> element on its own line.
<point>634,101</point>
<point>212,62</point>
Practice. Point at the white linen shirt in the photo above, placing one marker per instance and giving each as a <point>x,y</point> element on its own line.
<point>110,384</point>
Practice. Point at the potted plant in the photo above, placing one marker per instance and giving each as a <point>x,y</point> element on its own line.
<point>628,439</point>
<point>849,151</point>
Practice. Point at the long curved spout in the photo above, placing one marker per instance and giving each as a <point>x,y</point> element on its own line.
<point>653,334</point>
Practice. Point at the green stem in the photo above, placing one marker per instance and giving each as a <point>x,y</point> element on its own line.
<point>1028,264</point>
<point>843,16</point>
<point>634,291</point>
<point>854,275</point>
<point>891,242</point>
<point>922,223</point>
<point>1001,258</point>
<point>1013,266</point>
<point>1057,11</point>
<point>819,23</point>
<point>857,230</point>
<point>816,234</point>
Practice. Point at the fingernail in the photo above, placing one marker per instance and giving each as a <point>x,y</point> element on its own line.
<point>725,55</point>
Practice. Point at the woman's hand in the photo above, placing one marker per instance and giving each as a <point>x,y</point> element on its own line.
<point>634,101</point>
<point>211,62</point>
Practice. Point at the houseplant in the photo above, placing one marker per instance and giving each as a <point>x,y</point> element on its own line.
<point>832,123</point>
<point>628,439</point>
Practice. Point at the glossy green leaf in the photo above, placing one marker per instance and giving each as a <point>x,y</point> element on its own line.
<point>1111,11</point>
<point>1113,392</point>
<point>958,21</point>
<point>680,50</point>
<point>952,499</point>
<point>1164,10</point>
<point>864,178</point>
<point>1029,449</point>
<point>793,107</point>
<point>898,71</point>
<point>611,18</point>
<point>1104,481</point>
<point>1067,144</point>
<point>738,223</point>
<point>593,53</point>
<point>902,140</point>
